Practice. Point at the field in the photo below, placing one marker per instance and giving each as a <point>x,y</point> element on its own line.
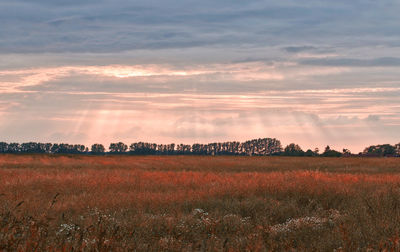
<point>198,203</point>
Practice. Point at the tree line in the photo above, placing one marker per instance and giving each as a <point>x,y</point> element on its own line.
<point>255,147</point>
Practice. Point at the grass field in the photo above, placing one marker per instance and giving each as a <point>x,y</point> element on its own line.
<point>198,203</point>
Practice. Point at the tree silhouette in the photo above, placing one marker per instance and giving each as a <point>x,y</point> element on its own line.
<point>397,150</point>
<point>346,152</point>
<point>97,149</point>
<point>293,150</point>
<point>331,153</point>
<point>64,148</point>
<point>182,149</point>
<point>3,147</point>
<point>309,153</point>
<point>14,148</point>
<point>254,147</point>
<point>119,147</point>
<point>143,148</point>
<point>382,150</point>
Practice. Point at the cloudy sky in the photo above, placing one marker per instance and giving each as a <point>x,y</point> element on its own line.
<point>312,72</point>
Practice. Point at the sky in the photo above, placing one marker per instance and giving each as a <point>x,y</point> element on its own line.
<point>312,72</point>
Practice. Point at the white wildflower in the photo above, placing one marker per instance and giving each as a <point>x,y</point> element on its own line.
<point>293,224</point>
<point>199,211</point>
<point>67,229</point>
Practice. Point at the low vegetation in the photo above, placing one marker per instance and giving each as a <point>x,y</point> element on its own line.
<point>200,203</point>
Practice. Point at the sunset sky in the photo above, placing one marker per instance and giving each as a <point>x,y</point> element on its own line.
<point>312,72</point>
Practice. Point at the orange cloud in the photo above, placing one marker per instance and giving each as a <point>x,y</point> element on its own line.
<point>13,80</point>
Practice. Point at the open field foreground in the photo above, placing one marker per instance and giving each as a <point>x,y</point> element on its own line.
<point>198,203</point>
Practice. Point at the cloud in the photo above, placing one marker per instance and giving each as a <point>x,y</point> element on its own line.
<point>15,80</point>
<point>373,118</point>
<point>297,49</point>
<point>120,25</point>
<point>350,62</point>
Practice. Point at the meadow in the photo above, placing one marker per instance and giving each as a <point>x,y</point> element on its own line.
<point>198,203</point>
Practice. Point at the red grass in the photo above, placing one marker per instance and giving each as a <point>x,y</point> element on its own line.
<point>137,186</point>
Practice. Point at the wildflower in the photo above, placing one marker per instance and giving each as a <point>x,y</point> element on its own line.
<point>294,224</point>
<point>199,211</point>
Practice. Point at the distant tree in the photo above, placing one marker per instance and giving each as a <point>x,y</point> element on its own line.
<point>97,149</point>
<point>3,147</point>
<point>382,150</point>
<point>182,149</point>
<point>30,147</point>
<point>331,153</point>
<point>388,150</point>
<point>143,148</point>
<point>171,149</point>
<point>327,148</point>
<point>79,148</point>
<point>119,147</point>
<point>257,147</point>
<point>309,153</point>
<point>397,150</point>
<point>33,147</point>
<point>346,152</point>
<point>64,148</point>
<point>42,147</point>
<point>198,149</point>
<point>54,148</point>
<point>14,148</point>
<point>47,147</point>
<point>293,150</point>
<point>260,147</point>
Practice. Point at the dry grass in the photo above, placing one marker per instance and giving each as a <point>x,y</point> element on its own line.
<point>186,203</point>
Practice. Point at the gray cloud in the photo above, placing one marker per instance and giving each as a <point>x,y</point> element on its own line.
<point>120,25</point>
<point>377,62</point>
<point>296,49</point>
<point>373,118</point>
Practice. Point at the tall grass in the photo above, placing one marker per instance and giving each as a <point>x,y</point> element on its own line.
<point>182,203</point>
